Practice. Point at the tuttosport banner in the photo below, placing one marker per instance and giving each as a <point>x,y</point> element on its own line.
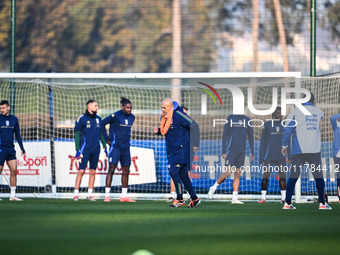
<point>142,169</point>
<point>34,169</point>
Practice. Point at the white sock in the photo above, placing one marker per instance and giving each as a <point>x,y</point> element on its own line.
<point>235,193</point>
<point>283,195</point>
<point>90,192</point>
<point>124,192</point>
<point>76,192</point>
<point>263,193</point>
<point>173,194</point>
<point>13,189</point>
<point>216,185</point>
<point>107,192</point>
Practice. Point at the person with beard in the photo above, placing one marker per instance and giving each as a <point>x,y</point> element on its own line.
<point>120,123</point>
<point>88,136</point>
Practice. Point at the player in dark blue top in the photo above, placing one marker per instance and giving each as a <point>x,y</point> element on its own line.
<point>87,140</point>
<point>173,193</point>
<point>119,140</point>
<point>271,157</point>
<point>234,139</point>
<point>9,126</point>
<point>181,132</point>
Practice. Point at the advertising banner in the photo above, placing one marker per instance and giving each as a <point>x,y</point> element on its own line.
<point>142,169</point>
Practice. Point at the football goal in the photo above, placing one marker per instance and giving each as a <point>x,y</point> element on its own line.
<point>48,104</point>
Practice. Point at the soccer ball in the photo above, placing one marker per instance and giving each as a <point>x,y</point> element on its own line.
<point>142,252</point>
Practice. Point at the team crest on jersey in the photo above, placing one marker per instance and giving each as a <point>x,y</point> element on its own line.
<point>277,129</point>
<point>126,122</point>
<point>7,122</point>
<point>97,120</point>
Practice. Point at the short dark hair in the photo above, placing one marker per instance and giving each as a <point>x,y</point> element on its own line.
<point>90,101</point>
<point>4,102</point>
<point>277,109</point>
<point>185,108</point>
<point>311,100</point>
<point>124,101</point>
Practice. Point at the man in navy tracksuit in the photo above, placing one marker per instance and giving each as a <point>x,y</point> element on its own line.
<point>119,140</point>
<point>271,157</point>
<point>234,139</point>
<point>306,147</point>
<point>178,128</point>
<point>88,136</point>
<point>336,147</point>
<point>9,126</point>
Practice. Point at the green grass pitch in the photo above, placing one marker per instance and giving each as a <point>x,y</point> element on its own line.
<point>51,226</point>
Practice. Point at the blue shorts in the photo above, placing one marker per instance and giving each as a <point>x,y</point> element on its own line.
<point>235,159</point>
<point>93,158</point>
<point>7,154</point>
<point>122,155</point>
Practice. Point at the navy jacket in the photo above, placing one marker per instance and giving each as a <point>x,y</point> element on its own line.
<point>9,125</point>
<point>177,139</point>
<point>271,142</point>
<point>120,129</point>
<point>235,134</point>
<point>90,133</point>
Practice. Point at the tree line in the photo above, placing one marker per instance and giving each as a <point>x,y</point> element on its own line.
<point>136,35</point>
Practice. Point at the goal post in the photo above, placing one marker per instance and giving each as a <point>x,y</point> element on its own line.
<point>47,105</point>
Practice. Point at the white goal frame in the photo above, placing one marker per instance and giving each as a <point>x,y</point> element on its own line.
<point>296,75</point>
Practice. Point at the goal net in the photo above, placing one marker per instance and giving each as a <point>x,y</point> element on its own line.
<point>47,106</point>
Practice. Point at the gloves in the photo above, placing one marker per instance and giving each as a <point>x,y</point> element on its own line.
<point>78,156</point>
<point>106,153</point>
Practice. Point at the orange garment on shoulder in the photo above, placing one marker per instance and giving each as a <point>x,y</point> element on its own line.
<point>166,121</point>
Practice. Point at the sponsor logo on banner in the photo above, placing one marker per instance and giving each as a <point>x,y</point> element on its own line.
<point>29,166</point>
<point>103,166</point>
<point>35,168</point>
<point>142,169</point>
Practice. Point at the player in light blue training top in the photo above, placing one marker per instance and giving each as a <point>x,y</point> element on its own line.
<point>306,147</point>
<point>9,126</point>
<point>335,120</point>
<point>234,139</point>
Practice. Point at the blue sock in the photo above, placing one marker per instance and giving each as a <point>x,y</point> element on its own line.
<point>320,186</point>
<point>174,173</point>
<point>290,188</point>
<point>188,184</point>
